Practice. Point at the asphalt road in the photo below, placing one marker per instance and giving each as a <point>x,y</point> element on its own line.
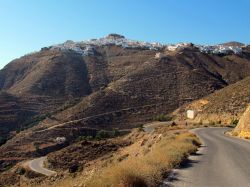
<point>37,166</point>
<point>222,161</point>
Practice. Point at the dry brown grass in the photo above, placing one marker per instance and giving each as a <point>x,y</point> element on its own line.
<point>149,169</point>
<point>144,163</point>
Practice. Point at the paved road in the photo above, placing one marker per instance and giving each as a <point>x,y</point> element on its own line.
<point>37,166</point>
<point>223,161</point>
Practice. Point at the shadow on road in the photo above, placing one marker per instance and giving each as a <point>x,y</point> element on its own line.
<point>185,164</point>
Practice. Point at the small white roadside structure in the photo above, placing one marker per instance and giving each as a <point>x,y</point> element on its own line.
<point>191,114</point>
<point>60,140</point>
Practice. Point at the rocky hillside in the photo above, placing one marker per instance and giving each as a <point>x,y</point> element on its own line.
<point>223,106</point>
<point>77,88</point>
<point>243,128</point>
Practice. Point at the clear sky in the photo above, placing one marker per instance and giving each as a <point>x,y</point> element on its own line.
<point>28,25</point>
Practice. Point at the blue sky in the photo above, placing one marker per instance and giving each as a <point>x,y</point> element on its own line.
<point>28,25</point>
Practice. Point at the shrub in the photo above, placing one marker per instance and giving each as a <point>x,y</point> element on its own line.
<point>114,133</point>
<point>212,123</point>
<point>102,134</point>
<point>141,128</point>
<point>20,171</point>
<point>234,122</point>
<point>82,138</point>
<point>162,117</point>
<point>173,124</point>
<point>73,168</point>
<point>36,145</point>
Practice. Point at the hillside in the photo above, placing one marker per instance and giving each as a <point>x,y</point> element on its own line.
<point>78,88</point>
<point>224,106</point>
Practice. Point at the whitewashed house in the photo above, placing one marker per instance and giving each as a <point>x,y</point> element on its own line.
<point>172,47</point>
<point>60,140</point>
<point>191,114</point>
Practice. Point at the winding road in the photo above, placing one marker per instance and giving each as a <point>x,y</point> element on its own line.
<point>37,165</point>
<point>222,161</point>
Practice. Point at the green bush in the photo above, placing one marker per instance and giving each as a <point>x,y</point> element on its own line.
<point>234,122</point>
<point>102,134</point>
<point>162,117</point>
<point>36,145</point>
<point>20,171</point>
<point>141,128</point>
<point>82,138</point>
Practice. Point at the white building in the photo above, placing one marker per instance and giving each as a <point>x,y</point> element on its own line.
<point>177,46</point>
<point>60,140</point>
<point>191,114</point>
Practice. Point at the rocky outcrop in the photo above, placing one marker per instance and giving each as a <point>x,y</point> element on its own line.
<point>243,127</point>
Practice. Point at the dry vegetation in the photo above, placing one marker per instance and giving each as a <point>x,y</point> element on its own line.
<point>149,169</point>
<point>146,162</point>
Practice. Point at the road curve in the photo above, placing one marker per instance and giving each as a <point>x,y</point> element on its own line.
<point>222,161</point>
<point>37,166</point>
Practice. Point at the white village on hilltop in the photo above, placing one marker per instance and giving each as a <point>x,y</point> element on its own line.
<point>86,48</point>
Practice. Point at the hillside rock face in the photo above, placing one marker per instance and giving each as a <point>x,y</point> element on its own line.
<point>243,127</point>
<point>76,88</point>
